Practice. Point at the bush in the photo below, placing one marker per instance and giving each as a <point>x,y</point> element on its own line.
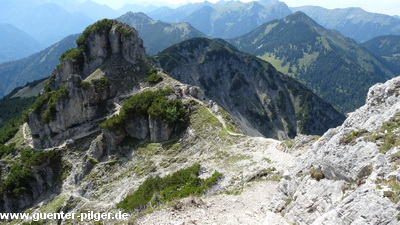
<point>99,26</point>
<point>170,112</point>
<point>101,84</point>
<point>6,149</point>
<point>49,99</point>
<point>153,77</point>
<point>74,54</point>
<point>17,182</point>
<point>156,190</point>
<point>84,85</point>
<point>154,103</point>
<point>316,174</point>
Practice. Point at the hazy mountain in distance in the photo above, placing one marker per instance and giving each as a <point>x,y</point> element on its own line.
<point>16,44</point>
<point>34,67</point>
<point>136,8</point>
<point>388,48</point>
<point>334,66</point>
<point>228,21</point>
<point>46,22</point>
<point>159,35</point>
<point>179,14</point>
<point>96,11</point>
<point>353,22</point>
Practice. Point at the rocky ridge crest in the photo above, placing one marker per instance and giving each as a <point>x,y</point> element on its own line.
<point>351,174</point>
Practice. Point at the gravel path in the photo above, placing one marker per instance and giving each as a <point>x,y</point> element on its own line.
<point>250,207</point>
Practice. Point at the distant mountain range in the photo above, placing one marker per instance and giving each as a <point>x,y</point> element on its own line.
<point>225,19</point>
<point>16,44</point>
<point>388,48</point>
<point>50,22</point>
<point>355,23</point>
<point>158,35</point>
<point>35,67</point>
<point>334,66</point>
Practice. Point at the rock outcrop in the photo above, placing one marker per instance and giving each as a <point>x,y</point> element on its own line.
<point>109,61</point>
<point>351,174</point>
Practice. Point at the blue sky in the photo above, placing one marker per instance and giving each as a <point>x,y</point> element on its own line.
<point>390,7</point>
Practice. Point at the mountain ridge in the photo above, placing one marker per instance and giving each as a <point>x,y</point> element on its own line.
<point>353,22</point>
<point>209,64</point>
<point>318,58</point>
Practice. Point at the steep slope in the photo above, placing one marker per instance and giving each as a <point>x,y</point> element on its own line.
<point>388,48</point>
<point>335,67</point>
<point>264,101</point>
<point>34,67</point>
<point>158,35</point>
<point>353,22</point>
<point>351,174</point>
<point>16,44</point>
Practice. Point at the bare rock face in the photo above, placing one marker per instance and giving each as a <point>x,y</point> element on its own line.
<point>350,175</point>
<point>117,39</point>
<point>138,128</point>
<point>107,62</point>
<point>159,131</point>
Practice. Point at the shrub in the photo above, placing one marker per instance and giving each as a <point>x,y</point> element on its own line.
<point>153,77</point>
<point>316,174</point>
<point>100,25</point>
<point>6,149</point>
<point>17,182</point>
<point>124,32</point>
<point>154,103</point>
<point>84,85</point>
<point>170,112</point>
<point>74,54</point>
<point>49,99</point>
<point>101,84</point>
<point>156,190</point>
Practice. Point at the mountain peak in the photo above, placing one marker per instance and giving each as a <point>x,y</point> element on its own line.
<point>299,16</point>
<point>137,15</point>
<point>103,39</point>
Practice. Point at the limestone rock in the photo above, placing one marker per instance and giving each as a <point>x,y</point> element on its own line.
<point>353,167</point>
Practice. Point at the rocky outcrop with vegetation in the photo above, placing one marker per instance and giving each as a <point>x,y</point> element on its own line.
<point>108,61</point>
